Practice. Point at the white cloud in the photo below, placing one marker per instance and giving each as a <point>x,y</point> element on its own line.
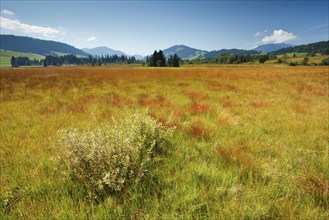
<point>17,25</point>
<point>7,12</point>
<point>259,33</point>
<point>91,39</point>
<point>279,36</point>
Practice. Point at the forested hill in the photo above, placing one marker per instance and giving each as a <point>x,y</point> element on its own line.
<point>37,46</point>
<point>216,53</point>
<point>319,47</point>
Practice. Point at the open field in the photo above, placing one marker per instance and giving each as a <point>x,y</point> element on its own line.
<point>249,142</point>
<point>5,56</point>
<point>299,58</point>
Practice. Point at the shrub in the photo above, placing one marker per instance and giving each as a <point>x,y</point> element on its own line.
<point>325,62</point>
<point>305,61</point>
<point>115,154</point>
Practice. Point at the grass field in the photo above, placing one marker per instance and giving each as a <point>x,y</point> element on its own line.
<point>249,142</point>
<point>299,58</point>
<point>5,56</point>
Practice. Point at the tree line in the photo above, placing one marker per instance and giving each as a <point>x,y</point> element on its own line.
<point>73,60</point>
<point>318,47</point>
<point>227,58</point>
<point>157,59</point>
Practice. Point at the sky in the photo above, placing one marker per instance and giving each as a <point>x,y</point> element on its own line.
<point>140,27</point>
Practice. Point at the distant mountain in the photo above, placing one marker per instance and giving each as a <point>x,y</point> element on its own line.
<point>266,48</point>
<point>139,57</point>
<point>184,52</point>
<point>216,53</point>
<point>318,47</point>
<point>188,53</point>
<point>37,46</point>
<point>99,51</point>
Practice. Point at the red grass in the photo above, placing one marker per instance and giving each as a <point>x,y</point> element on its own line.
<point>77,108</point>
<point>240,158</point>
<point>313,89</point>
<point>159,101</point>
<point>179,115</point>
<point>48,110</point>
<point>164,121</point>
<point>317,186</point>
<point>107,115</point>
<point>300,108</point>
<point>183,84</point>
<point>197,96</point>
<point>196,108</point>
<point>199,130</point>
<point>221,86</point>
<point>115,100</point>
<point>259,104</point>
<point>227,102</point>
<point>231,88</point>
<point>215,86</point>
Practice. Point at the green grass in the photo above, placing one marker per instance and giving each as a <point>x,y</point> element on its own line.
<point>5,61</point>
<point>5,56</point>
<point>197,54</point>
<point>292,54</point>
<point>299,58</point>
<point>250,143</point>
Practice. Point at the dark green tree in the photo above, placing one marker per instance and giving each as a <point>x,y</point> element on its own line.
<point>13,62</point>
<point>45,63</point>
<point>162,58</point>
<point>175,61</point>
<point>263,58</point>
<point>153,59</point>
<point>157,59</point>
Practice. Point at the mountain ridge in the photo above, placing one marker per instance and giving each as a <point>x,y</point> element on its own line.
<point>184,52</point>
<point>47,47</point>
<point>103,51</point>
<point>37,46</point>
<point>266,48</point>
<point>312,48</point>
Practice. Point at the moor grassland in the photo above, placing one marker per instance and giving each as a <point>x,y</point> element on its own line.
<point>249,142</point>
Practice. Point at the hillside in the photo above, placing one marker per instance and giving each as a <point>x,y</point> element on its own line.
<point>318,47</point>
<point>216,53</point>
<point>37,46</point>
<point>5,56</point>
<point>266,48</point>
<point>188,53</point>
<point>184,52</point>
<point>99,51</point>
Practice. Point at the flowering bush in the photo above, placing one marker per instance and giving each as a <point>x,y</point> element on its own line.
<point>113,155</point>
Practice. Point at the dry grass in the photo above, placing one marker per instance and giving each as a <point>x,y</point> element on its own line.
<point>271,121</point>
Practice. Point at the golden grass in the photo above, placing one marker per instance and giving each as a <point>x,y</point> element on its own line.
<point>271,122</point>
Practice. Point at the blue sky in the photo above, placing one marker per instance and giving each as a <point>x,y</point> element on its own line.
<point>140,27</point>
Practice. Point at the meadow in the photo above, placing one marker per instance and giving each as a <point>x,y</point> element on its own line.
<point>249,142</point>
<point>5,56</point>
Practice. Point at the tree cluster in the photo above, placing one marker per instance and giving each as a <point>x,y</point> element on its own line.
<point>158,59</point>
<point>23,61</point>
<point>173,61</point>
